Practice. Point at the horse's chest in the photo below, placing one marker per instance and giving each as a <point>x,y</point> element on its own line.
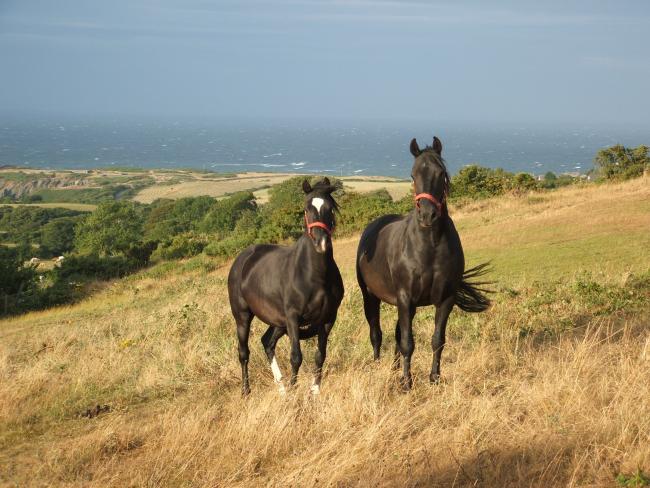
<point>320,306</point>
<point>427,289</point>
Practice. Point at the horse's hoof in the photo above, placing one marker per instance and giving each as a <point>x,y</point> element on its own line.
<point>406,384</point>
<point>315,390</point>
<point>434,378</point>
<point>282,390</point>
<point>245,391</point>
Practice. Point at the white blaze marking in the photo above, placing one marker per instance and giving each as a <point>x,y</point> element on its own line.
<point>317,203</point>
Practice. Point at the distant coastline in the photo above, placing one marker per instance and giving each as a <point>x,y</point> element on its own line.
<point>312,148</point>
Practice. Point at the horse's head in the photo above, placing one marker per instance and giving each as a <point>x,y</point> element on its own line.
<point>430,182</point>
<point>319,213</point>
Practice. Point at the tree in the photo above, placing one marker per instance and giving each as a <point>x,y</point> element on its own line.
<point>524,181</point>
<point>57,236</point>
<point>620,162</point>
<point>477,181</point>
<point>15,278</point>
<point>224,214</point>
<point>111,229</point>
<point>169,218</point>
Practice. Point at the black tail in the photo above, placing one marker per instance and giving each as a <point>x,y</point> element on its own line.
<point>471,296</point>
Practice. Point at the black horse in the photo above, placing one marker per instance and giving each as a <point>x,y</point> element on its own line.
<point>416,260</point>
<point>296,290</point>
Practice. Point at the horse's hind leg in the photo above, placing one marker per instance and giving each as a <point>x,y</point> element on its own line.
<point>244,319</point>
<point>438,339</point>
<point>371,309</point>
<point>397,341</point>
<point>269,341</point>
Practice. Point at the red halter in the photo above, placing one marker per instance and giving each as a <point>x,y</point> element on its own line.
<point>316,224</point>
<point>432,199</point>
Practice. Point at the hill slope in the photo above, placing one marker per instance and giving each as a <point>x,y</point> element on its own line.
<point>547,388</point>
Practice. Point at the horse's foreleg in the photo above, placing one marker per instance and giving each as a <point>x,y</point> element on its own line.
<point>293,330</point>
<point>243,320</point>
<point>438,339</point>
<point>321,353</point>
<point>371,309</point>
<point>269,341</point>
<point>397,341</point>
<point>405,312</point>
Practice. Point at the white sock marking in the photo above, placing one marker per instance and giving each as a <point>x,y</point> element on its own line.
<point>317,203</point>
<point>277,374</point>
<point>314,388</point>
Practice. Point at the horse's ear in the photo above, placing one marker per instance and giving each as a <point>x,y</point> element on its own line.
<point>306,187</point>
<point>326,180</point>
<point>437,145</point>
<point>415,150</point>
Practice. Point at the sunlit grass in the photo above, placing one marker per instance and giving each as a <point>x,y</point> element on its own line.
<point>547,388</point>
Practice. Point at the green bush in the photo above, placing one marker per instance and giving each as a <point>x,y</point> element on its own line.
<point>358,210</point>
<point>475,181</point>
<point>26,224</point>
<point>243,235</point>
<point>620,163</point>
<point>168,218</point>
<point>222,217</point>
<point>180,246</point>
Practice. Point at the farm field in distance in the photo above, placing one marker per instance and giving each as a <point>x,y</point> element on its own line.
<point>547,388</point>
<point>66,188</point>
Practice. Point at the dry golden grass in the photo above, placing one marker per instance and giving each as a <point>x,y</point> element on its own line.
<point>548,388</point>
<point>196,184</point>
<point>85,207</point>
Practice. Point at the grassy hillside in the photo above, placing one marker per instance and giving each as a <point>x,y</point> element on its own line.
<point>548,388</point>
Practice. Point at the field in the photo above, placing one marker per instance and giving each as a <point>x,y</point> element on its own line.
<point>84,207</point>
<point>80,189</point>
<point>198,184</point>
<point>139,384</point>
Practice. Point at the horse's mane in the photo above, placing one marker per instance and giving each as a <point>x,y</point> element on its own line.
<point>326,189</point>
<point>441,162</point>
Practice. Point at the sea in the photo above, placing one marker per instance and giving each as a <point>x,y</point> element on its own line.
<point>334,147</point>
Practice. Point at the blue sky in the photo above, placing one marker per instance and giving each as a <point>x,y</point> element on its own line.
<point>551,62</point>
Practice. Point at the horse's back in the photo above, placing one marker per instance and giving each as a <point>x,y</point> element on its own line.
<point>369,237</point>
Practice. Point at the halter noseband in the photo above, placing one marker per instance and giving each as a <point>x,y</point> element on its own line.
<point>428,196</point>
<point>321,225</point>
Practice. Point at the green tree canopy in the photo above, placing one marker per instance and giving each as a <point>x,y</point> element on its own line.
<point>224,214</point>
<point>168,218</point>
<point>620,162</point>
<point>478,181</point>
<point>14,277</point>
<point>111,229</point>
<point>57,236</point>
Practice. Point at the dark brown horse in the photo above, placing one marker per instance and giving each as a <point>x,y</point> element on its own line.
<point>416,260</point>
<point>295,290</point>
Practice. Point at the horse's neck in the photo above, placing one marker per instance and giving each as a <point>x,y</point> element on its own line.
<point>311,261</point>
<point>424,240</point>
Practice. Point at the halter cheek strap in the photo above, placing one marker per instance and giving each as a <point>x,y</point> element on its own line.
<point>431,198</point>
<point>321,225</point>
